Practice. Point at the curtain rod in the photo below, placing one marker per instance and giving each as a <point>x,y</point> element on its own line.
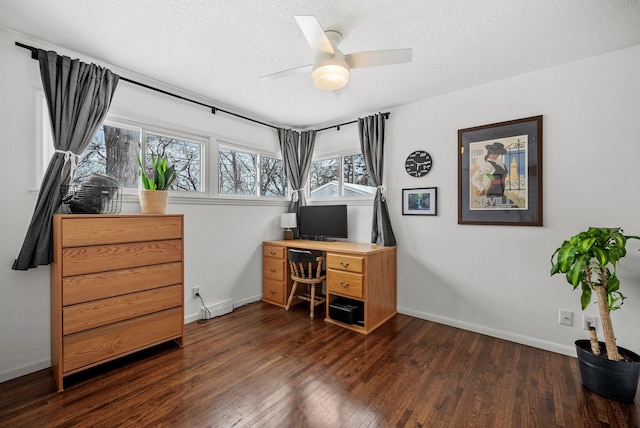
<point>34,55</point>
<point>214,109</point>
<point>385,114</point>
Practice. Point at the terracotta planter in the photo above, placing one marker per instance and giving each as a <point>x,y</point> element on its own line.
<point>153,201</point>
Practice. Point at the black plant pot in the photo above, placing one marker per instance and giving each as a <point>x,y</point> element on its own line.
<point>617,380</point>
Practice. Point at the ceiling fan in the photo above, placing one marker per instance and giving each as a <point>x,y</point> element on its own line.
<point>330,69</point>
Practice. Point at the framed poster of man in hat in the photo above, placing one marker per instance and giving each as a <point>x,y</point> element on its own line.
<point>500,173</point>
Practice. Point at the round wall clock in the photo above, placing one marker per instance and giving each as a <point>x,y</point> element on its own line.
<point>418,163</point>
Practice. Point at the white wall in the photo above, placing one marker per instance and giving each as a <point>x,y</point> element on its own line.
<point>495,279</point>
<point>485,278</point>
<point>223,252</point>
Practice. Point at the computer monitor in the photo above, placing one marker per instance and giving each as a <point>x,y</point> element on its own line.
<point>321,222</point>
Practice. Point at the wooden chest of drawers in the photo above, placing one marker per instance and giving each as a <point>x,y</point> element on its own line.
<point>116,287</point>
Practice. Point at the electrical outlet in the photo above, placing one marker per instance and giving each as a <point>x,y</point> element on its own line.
<point>565,317</point>
<point>589,320</point>
<point>196,290</point>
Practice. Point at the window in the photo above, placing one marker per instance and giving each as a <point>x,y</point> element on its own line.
<point>115,147</point>
<point>356,179</point>
<point>237,172</point>
<point>273,178</point>
<point>340,176</point>
<point>184,155</point>
<point>113,152</point>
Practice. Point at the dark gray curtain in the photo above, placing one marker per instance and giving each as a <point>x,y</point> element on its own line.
<point>297,150</point>
<point>371,131</point>
<point>78,96</point>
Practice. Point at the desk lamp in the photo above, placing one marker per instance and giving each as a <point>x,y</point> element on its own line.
<point>288,221</point>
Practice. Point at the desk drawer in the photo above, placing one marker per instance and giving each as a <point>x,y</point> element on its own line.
<point>101,312</point>
<point>344,283</point>
<point>274,268</point>
<point>273,291</point>
<point>273,251</point>
<point>345,262</point>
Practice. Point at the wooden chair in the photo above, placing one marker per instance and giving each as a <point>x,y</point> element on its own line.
<point>306,268</point>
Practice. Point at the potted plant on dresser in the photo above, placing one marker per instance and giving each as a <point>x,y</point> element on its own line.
<point>155,195</point>
<point>589,260</point>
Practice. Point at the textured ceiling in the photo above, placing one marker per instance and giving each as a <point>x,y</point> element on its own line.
<point>218,49</point>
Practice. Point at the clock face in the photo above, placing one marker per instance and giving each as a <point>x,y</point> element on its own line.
<point>418,163</point>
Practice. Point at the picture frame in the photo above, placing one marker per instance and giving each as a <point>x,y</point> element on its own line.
<point>500,173</point>
<point>420,201</point>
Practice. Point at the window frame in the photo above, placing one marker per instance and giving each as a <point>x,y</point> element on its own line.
<point>341,197</point>
<point>229,144</point>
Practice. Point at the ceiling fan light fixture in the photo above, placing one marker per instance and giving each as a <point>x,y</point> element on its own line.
<point>330,76</point>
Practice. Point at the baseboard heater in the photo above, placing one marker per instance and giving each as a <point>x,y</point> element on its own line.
<point>217,309</point>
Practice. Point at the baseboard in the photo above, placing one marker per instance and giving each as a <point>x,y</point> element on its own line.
<point>235,304</point>
<point>25,370</point>
<point>500,334</point>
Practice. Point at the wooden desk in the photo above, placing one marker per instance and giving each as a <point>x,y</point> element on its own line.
<point>362,272</point>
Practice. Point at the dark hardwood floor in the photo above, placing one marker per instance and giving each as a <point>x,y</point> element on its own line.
<point>262,366</point>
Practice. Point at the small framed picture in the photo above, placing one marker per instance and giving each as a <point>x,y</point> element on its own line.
<point>419,201</point>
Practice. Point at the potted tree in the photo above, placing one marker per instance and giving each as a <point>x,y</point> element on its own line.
<point>155,195</point>
<point>589,260</point>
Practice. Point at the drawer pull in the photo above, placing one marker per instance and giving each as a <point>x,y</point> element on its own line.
<point>273,253</point>
<point>344,284</point>
<point>273,270</point>
<point>272,292</point>
<point>343,264</point>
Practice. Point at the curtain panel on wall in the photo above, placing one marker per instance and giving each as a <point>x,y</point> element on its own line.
<point>297,150</point>
<point>78,96</point>
<point>371,132</point>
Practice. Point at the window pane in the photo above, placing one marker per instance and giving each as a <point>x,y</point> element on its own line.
<point>184,155</point>
<point>323,178</point>
<point>273,179</point>
<point>112,152</point>
<point>237,172</point>
<point>356,180</point>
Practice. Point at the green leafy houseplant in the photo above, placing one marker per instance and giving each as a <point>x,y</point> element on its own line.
<point>589,260</point>
<point>163,175</point>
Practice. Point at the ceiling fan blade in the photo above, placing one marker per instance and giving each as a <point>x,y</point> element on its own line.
<point>314,34</point>
<point>376,58</point>
<point>304,69</point>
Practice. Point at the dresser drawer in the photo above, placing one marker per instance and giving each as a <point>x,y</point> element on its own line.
<point>274,268</point>
<point>345,283</point>
<point>345,262</point>
<point>84,288</point>
<point>101,258</point>
<point>273,291</point>
<point>101,312</point>
<point>273,251</point>
<point>94,346</point>
<point>80,232</point>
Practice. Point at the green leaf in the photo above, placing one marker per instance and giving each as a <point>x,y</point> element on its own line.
<point>600,255</point>
<point>613,283</point>
<point>585,245</point>
<point>585,298</point>
<point>575,274</point>
<point>566,256</point>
